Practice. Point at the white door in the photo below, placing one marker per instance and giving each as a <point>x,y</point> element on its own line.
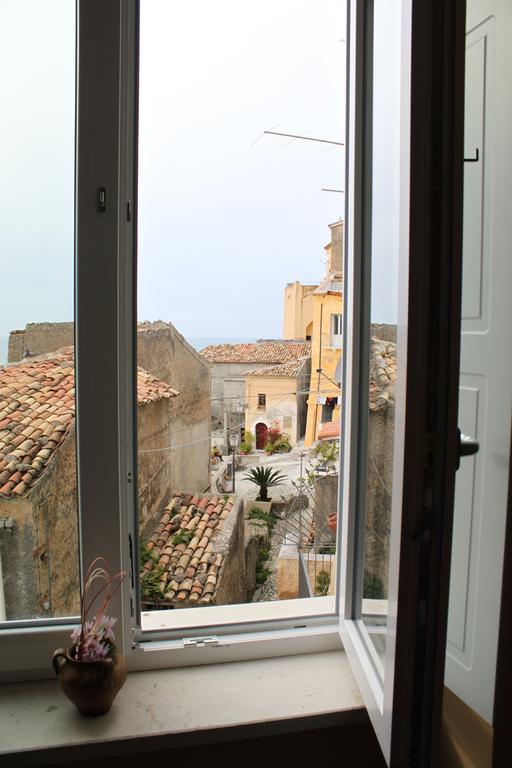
<point>486,358</point>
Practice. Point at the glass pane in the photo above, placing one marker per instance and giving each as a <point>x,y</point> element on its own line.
<point>38,485</point>
<point>238,226</point>
<point>384,366</point>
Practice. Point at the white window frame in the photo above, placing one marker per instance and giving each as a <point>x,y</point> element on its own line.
<point>106,354</point>
<point>336,338</point>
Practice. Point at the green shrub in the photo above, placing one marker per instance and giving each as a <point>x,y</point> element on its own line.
<point>182,537</point>
<point>264,478</point>
<point>259,514</point>
<point>248,439</point>
<point>262,573</point>
<point>322,582</point>
<point>150,580</point>
<point>283,444</point>
<point>373,587</point>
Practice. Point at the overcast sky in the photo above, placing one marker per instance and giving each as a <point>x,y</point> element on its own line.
<point>227,217</point>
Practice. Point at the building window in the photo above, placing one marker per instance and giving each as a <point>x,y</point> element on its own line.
<point>287,422</point>
<point>262,401</point>
<point>327,411</point>
<point>336,330</point>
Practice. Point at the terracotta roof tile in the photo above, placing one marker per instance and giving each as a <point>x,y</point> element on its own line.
<point>181,546</point>
<point>383,374</point>
<point>37,410</point>
<point>289,369</point>
<point>272,352</point>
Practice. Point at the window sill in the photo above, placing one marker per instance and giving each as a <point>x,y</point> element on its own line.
<point>177,707</point>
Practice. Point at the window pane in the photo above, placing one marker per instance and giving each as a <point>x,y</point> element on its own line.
<point>38,484</point>
<point>384,366</point>
<point>236,225</point>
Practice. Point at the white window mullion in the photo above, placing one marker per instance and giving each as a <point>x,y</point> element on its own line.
<point>98,244</point>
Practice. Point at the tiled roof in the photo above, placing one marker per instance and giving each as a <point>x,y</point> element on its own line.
<point>150,389</point>
<point>383,373</point>
<point>37,408</point>
<point>272,352</point>
<point>183,546</point>
<point>291,368</point>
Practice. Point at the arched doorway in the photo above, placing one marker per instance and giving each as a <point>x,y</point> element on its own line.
<point>261,435</point>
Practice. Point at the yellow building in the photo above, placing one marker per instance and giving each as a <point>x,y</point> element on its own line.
<point>276,398</point>
<point>298,311</point>
<point>317,312</point>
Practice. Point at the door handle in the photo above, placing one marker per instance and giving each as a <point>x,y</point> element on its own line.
<point>468,446</point>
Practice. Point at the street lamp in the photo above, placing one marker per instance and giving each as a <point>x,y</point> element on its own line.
<point>232,444</point>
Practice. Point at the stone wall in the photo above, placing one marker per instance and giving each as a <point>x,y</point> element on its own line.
<point>19,570</point>
<point>38,338</point>
<point>55,519</point>
<point>326,503</point>
<point>384,331</point>
<point>232,587</point>
<point>378,501</point>
<point>164,352</point>
<point>40,551</point>
<point>154,468</point>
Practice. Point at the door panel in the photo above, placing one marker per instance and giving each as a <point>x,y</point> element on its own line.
<point>486,360</point>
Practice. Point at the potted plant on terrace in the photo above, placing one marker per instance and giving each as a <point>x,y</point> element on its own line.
<point>264,478</point>
<point>91,672</point>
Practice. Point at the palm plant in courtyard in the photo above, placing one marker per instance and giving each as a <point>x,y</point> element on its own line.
<point>264,478</point>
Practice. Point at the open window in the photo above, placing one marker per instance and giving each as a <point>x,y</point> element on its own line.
<point>403,183</point>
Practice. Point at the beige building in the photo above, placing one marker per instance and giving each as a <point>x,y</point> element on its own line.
<point>230,364</point>
<point>38,485</point>
<point>298,311</point>
<point>276,398</point>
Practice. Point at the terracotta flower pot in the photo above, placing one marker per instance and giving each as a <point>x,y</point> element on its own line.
<point>332,522</point>
<point>91,685</point>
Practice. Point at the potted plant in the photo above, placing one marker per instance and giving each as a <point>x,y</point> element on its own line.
<point>264,478</point>
<point>269,448</point>
<point>91,672</point>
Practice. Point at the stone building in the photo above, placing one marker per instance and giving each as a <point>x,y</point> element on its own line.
<point>38,486</point>
<point>276,398</point>
<point>229,365</point>
<point>38,338</point>
<point>165,353</point>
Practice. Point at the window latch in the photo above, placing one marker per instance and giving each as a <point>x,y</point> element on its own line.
<point>200,642</point>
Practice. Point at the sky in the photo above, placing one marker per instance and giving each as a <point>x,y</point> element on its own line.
<point>227,215</point>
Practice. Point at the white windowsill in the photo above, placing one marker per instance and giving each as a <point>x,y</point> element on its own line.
<point>172,707</point>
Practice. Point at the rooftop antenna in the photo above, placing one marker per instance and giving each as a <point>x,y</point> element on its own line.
<point>304,138</point>
<point>326,189</point>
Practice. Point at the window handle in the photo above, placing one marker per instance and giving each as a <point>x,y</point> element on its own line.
<point>468,446</point>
